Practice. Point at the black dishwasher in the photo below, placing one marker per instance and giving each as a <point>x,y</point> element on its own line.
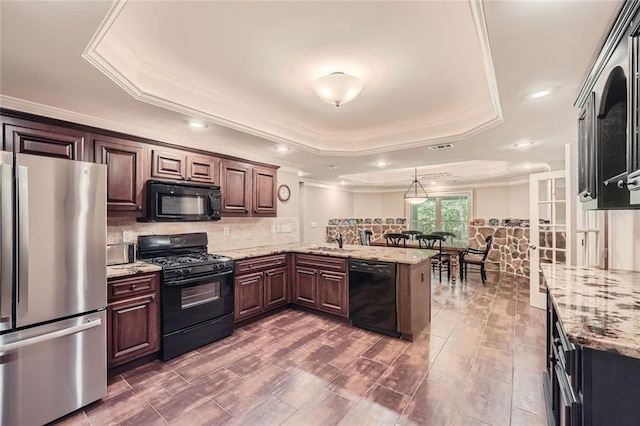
<point>372,296</point>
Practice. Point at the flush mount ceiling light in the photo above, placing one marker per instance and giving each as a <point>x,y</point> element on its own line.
<point>381,163</point>
<point>413,195</point>
<point>540,93</point>
<point>197,124</point>
<point>337,88</point>
<point>523,144</point>
<point>283,148</point>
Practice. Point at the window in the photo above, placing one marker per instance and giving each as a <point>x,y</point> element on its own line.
<point>443,212</point>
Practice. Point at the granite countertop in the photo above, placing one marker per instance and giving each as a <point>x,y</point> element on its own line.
<point>598,309</point>
<point>126,269</point>
<point>384,254</point>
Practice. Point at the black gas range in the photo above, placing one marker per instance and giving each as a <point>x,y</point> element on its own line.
<point>197,291</point>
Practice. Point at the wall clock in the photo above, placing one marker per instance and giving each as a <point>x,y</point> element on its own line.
<point>284,193</point>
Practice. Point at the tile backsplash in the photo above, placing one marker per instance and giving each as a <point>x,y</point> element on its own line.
<point>242,232</point>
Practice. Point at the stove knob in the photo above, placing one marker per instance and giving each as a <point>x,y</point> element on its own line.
<point>188,271</point>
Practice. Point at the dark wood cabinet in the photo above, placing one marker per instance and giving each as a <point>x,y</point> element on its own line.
<point>183,165</point>
<point>34,138</point>
<point>168,164</point>
<point>133,318</point>
<point>333,292</point>
<point>235,182</point>
<point>126,174</point>
<point>249,295</point>
<point>261,284</point>
<point>633,149</point>
<point>264,190</point>
<point>586,151</point>
<point>321,283</point>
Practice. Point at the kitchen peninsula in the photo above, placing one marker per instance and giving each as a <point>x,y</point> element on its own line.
<point>593,345</point>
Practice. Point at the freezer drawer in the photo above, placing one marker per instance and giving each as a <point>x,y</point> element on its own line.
<point>49,371</point>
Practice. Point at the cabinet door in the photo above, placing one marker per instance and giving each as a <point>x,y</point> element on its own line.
<point>275,288</point>
<point>248,296</point>
<point>305,287</point>
<point>236,187</point>
<point>203,168</point>
<point>587,151</point>
<point>133,329</point>
<point>168,164</point>
<point>42,139</point>
<point>333,293</point>
<point>125,174</point>
<point>633,148</point>
<point>264,191</point>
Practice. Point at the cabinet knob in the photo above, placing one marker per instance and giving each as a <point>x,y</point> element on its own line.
<point>139,208</point>
<point>153,298</point>
<point>133,287</point>
<point>188,177</point>
<point>532,247</point>
<point>250,265</point>
<point>621,184</point>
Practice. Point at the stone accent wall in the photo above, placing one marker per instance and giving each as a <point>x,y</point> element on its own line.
<point>510,247</point>
<point>351,233</point>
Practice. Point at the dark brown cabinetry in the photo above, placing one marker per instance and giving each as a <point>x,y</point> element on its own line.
<point>30,137</point>
<point>133,318</point>
<point>247,189</point>
<point>183,165</point>
<point>586,151</point>
<point>264,190</point>
<point>321,283</point>
<point>261,284</point>
<point>125,174</point>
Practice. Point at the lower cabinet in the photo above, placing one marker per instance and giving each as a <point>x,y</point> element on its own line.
<point>321,283</point>
<point>261,284</point>
<point>133,318</point>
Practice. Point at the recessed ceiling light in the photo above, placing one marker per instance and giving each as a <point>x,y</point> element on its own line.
<point>301,173</point>
<point>333,167</point>
<point>526,166</point>
<point>523,144</point>
<point>433,182</point>
<point>540,93</point>
<point>381,163</point>
<point>197,124</point>
<point>342,182</point>
<point>283,148</point>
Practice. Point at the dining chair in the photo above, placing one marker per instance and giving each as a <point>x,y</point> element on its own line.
<point>396,239</point>
<point>365,237</point>
<point>412,233</point>
<point>445,234</point>
<point>429,241</point>
<point>476,257</point>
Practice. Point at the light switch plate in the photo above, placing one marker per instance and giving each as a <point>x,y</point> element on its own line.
<point>226,231</point>
<point>286,228</point>
<point>313,225</point>
<point>127,236</point>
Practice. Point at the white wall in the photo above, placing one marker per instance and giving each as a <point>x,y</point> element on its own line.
<point>368,204</point>
<point>624,240</point>
<point>501,202</point>
<point>290,208</point>
<point>319,204</point>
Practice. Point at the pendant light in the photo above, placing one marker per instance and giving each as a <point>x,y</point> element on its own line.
<point>413,196</point>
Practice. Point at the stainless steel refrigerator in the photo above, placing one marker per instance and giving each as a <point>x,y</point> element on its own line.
<point>53,289</point>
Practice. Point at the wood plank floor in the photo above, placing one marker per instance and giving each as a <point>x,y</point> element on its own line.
<point>480,362</point>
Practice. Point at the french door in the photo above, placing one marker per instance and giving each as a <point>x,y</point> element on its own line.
<point>549,239</point>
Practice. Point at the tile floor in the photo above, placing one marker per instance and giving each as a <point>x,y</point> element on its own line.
<point>480,362</point>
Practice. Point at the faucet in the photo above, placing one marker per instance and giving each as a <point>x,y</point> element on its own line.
<point>339,240</point>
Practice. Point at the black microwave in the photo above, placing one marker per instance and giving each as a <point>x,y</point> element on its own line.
<point>179,202</point>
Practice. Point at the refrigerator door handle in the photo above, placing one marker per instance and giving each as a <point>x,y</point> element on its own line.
<point>23,239</point>
<point>14,346</point>
<point>6,246</point>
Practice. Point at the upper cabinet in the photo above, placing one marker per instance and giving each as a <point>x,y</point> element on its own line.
<point>167,163</point>
<point>30,137</point>
<point>247,189</point>
<point>126,174</point>
<point>608,176</point>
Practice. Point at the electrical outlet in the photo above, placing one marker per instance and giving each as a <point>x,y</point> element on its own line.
<point>278,228</point>
<point>273,229</point>
<point>127,236</point>
<point>226,231</point>
<point>313,225</point>
<point>286,228</point>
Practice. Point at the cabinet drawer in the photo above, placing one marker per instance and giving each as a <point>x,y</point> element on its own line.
<point>258,263</point>
<point>131,286</point>
<point>322,262</point>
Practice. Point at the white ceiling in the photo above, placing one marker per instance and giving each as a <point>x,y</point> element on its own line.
<point>433,71</point>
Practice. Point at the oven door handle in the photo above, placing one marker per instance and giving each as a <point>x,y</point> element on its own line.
<point>208,277</point>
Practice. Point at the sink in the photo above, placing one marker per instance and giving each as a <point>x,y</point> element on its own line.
<point>330,249</point>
